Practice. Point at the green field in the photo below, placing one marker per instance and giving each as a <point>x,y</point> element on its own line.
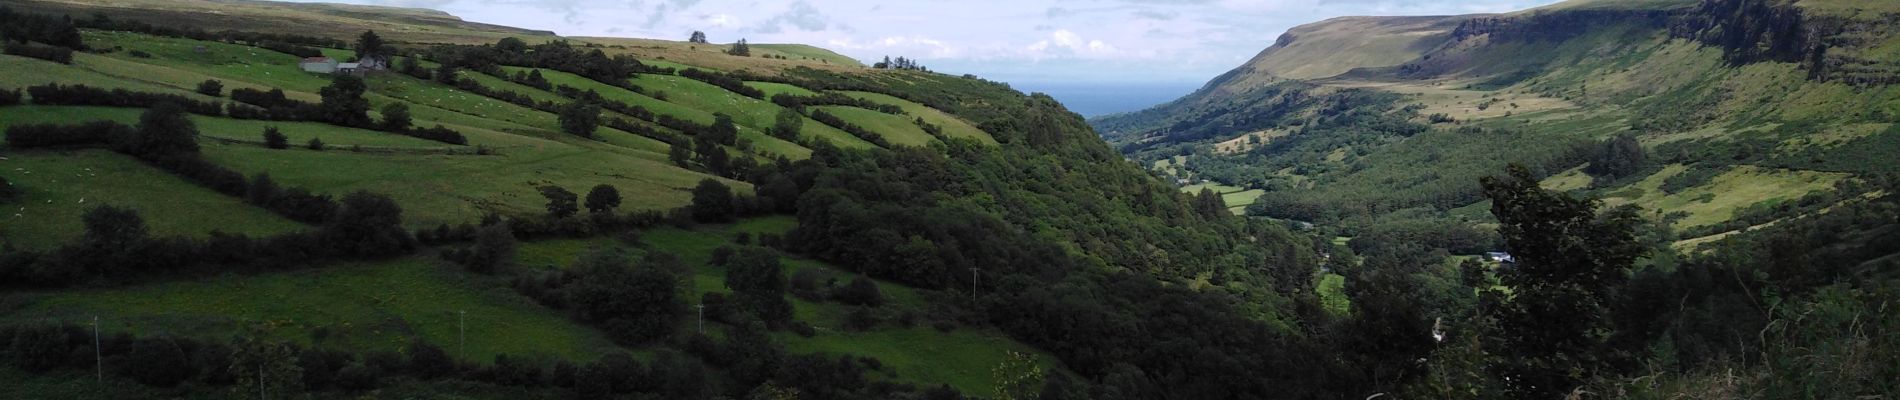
<point>952,126</point>
<point>1718,200</point>
<point>775,88</point>
<point>961,358</point>
<point>455,189</point>
<point>356,306</point>
<point>698,115</point>
<point>800,51</point>
<point>896,129</point>
<point>248,131</point>
<point>58,186</point>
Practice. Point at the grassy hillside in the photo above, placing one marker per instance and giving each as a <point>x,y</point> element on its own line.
<point>1543,87</point>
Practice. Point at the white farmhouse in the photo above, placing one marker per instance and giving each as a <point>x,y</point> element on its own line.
<point>321,65</point>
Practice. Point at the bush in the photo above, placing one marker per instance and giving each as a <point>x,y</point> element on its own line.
<point>82,95</point>
<point>275,139</point>
<point>315,144</point>
<point>439,134</point>
<point>712,202</point>
<point>10,97</point>
<point>49,53</point>
<point>861,292</point>
<point>211,87</point>
<point>96,133</point>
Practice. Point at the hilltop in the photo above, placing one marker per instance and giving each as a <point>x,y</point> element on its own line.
<point>1763,81</point>
<point>505,213</point>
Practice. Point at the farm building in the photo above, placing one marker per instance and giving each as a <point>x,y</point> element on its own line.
<point>1499,256</point>
<point>350,68</point>
<point>321,65</point>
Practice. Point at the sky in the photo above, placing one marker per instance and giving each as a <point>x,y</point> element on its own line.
<point>1176,44</point>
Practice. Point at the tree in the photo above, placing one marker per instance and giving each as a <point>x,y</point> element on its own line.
<point>1569,261</point>
<point>634,303</point>
<point>315,144</point>
<point>603,199</point>
<point>164,131</point>
<point>154,362</point>
<point>561,203</point>
<point>262,191</point>
<point>1618,157</point>
<point>511,45</point>
<point>679,153</point>
<point>211,87</point>
<point>724,131</point>
<point>1018,377</point>
<point>494,246</point>
<point>343,102</point>
<point>371,50</point>
<point>758,280</point>
<point>579,118</point>
<point>862,291</point>
<point>396,117</point>
<point>1210,204</point>
<point>697,37</point>
<point>712,202</point>
<point>275,139</point>
<point>112,229</point>
<point>265,369</point>
<point>367,225</point>
<point>787,125</point>
<point>740,49</point>
<point>445,73</point>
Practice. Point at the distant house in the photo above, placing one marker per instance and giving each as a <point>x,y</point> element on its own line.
<point>321,65</point>
<point>1499,256</point>
<point>350,68</point>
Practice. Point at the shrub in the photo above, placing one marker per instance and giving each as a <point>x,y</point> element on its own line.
<point>603,199</point>
<point>49,53</point>
<point>45,135</point>
<point>211,87</point>
<point>712,202</point>
<point>10,97</point>
<point>315,144</point>
<point>275,139</point>
<point>82,95</point>
<point>440,134</point>
<point>860,292</point>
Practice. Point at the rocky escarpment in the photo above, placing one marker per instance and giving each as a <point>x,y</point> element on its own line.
<point>1830,47</point>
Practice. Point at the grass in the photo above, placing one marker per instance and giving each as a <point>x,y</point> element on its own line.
<point>354,306</point>
<point>961,358</point>
<point>1332,293</point>
<point>701,116</point>
<point>1718,200</point>
<point>222,128</point>
<point>753,116</point>
<point>897,130</point>
<point>59,186</point>
<point>454,189</point>
<point>775,88</point>
<point>952,126</point>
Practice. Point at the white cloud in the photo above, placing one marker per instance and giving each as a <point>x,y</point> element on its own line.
<point>1172,40</point>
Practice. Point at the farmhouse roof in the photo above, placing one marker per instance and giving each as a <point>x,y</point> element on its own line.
<point>349,65</point>
<point>316,59</point>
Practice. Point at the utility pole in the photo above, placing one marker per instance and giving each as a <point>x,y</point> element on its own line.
<point>973,279</point>
<point>702,317</point>
<point>260,379</point>
<point>461,334</point>
<point>99,362</point>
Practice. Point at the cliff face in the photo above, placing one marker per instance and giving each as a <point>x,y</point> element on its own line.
<point>1830,47</point>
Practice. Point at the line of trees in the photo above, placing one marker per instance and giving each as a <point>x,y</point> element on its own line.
<point>834,99</point>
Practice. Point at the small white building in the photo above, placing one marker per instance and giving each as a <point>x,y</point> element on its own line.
<point>350,68</point>
<point>320,65</point>
<point>1501,257</point>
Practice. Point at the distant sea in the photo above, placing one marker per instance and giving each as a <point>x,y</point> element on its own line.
<point>1098,99</point>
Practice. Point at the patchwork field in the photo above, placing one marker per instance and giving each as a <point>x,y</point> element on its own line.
<point>919,354</point>
<point>356,306</point>
<point>952,126</point>
<point>897,130</point>
<point>1719,199</point>
<point>58,186</point>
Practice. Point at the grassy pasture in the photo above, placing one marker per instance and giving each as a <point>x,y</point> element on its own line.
<point>898,130</point>
<point>775,88</point>
<point>354,306</point>
<point>952,126</point>
<point>453,189</point>
<point>961,358</point>
<point>222,128</point>
<point>59,186</point>
<point>1719,199</point>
